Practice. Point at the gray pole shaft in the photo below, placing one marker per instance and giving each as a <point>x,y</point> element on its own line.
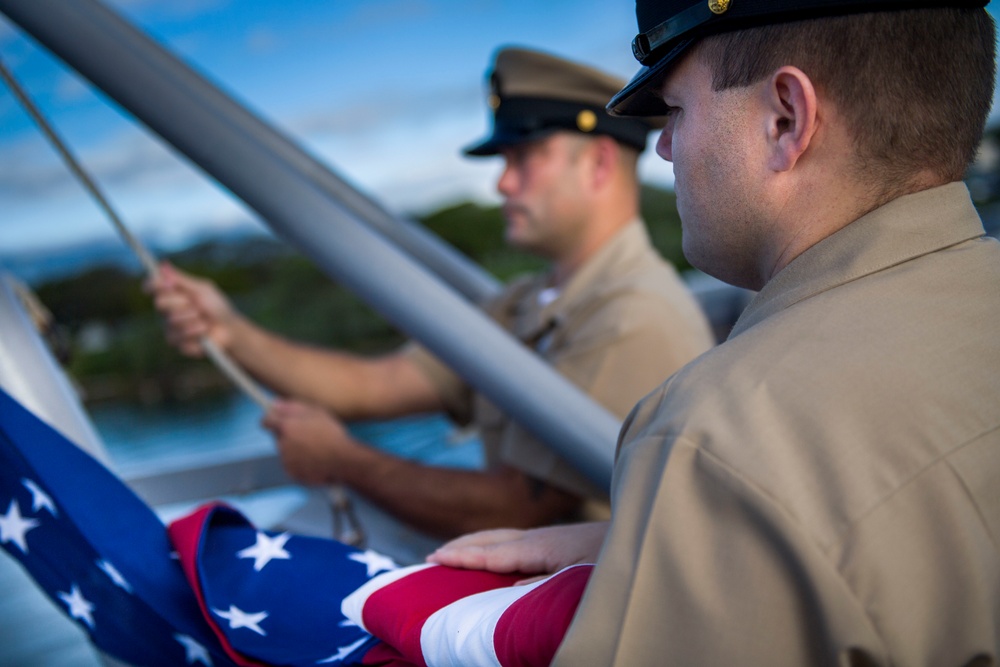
<point>135,74</point>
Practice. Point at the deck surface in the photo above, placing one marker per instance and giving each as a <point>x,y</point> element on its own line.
<point>33,632</point>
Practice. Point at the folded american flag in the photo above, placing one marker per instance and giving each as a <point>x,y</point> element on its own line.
<point>440,616</point>
<point>214,590</point>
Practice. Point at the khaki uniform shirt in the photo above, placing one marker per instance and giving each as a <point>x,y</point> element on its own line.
<point>621,325</point>
<point>824,487</point>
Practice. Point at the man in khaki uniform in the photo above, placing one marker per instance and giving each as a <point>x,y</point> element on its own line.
<point>824,487</point>
<point>610,314</point>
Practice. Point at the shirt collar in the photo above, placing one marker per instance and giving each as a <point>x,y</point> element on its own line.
<point>905,228</point>
<point>623,250</point>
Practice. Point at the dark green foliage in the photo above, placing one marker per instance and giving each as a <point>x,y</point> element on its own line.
<point>300,302</point>
<point>476,231</point>
<point>105,293</point>
<point>659,210</point>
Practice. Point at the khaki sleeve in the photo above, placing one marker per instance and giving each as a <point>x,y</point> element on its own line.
<point>700,568</point>
<point>455,393</point>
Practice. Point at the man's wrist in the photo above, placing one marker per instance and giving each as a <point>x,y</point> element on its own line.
<point>357,464</point>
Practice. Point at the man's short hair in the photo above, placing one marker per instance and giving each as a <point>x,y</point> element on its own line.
<point>915,86</point>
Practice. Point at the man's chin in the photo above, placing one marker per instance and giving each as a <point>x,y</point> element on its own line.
<point>514,241</point>
<point>513,234</point>
<point>523,244</point>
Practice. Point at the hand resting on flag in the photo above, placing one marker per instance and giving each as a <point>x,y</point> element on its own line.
<point>539,551</point>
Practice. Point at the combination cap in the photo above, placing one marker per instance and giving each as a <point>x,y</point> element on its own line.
<point>534,94</point>
<point>667,28</point>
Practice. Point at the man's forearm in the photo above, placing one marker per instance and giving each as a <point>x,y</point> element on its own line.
<point>450,502</point>
<point>293,369</point>
<point>351,386</point>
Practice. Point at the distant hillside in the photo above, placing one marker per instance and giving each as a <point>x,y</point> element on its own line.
<point>53,263</point>
<point>34,267</point>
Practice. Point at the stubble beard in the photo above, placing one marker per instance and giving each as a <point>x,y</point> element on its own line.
<point>519,222</point>
<point>721,238</point>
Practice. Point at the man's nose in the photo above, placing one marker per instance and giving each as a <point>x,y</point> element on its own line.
<point>664,147</point>
<point>507,183</point>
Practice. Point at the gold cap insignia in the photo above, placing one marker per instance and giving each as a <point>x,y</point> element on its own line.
<point>586,120</point>
<point>719,6</point>
<point>494,101</point>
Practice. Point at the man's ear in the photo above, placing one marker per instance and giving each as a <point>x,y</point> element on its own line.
<point>793,120</point>
<point>605,156</point>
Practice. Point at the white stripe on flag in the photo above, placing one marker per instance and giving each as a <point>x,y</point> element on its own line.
<point>353,605</point>
<point>461,633</point>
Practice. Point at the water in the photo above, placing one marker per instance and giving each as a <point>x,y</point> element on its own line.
<point>141,438</point>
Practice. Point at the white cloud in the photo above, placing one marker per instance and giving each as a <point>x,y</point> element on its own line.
<point>130,162</point>
<point>374,13</point>
<point>30,170</point>
<point>70,88</point>
<point>262,40</point>
<point>379,112</point>
<point>7,33</point>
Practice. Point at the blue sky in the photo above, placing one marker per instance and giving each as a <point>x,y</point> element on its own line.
<point>385,91</point>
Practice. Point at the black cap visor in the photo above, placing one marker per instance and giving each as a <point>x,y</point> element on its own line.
<point>642,96</point>
<point>506,138</point>
<point>520,120</point>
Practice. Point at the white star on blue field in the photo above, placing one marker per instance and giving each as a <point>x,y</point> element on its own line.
<point>266,549</point>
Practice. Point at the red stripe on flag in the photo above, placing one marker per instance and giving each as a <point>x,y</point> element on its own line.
<point>186,534</point>
<point>396,613</point>
<point>383,655</point>
<point>530,630</point>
